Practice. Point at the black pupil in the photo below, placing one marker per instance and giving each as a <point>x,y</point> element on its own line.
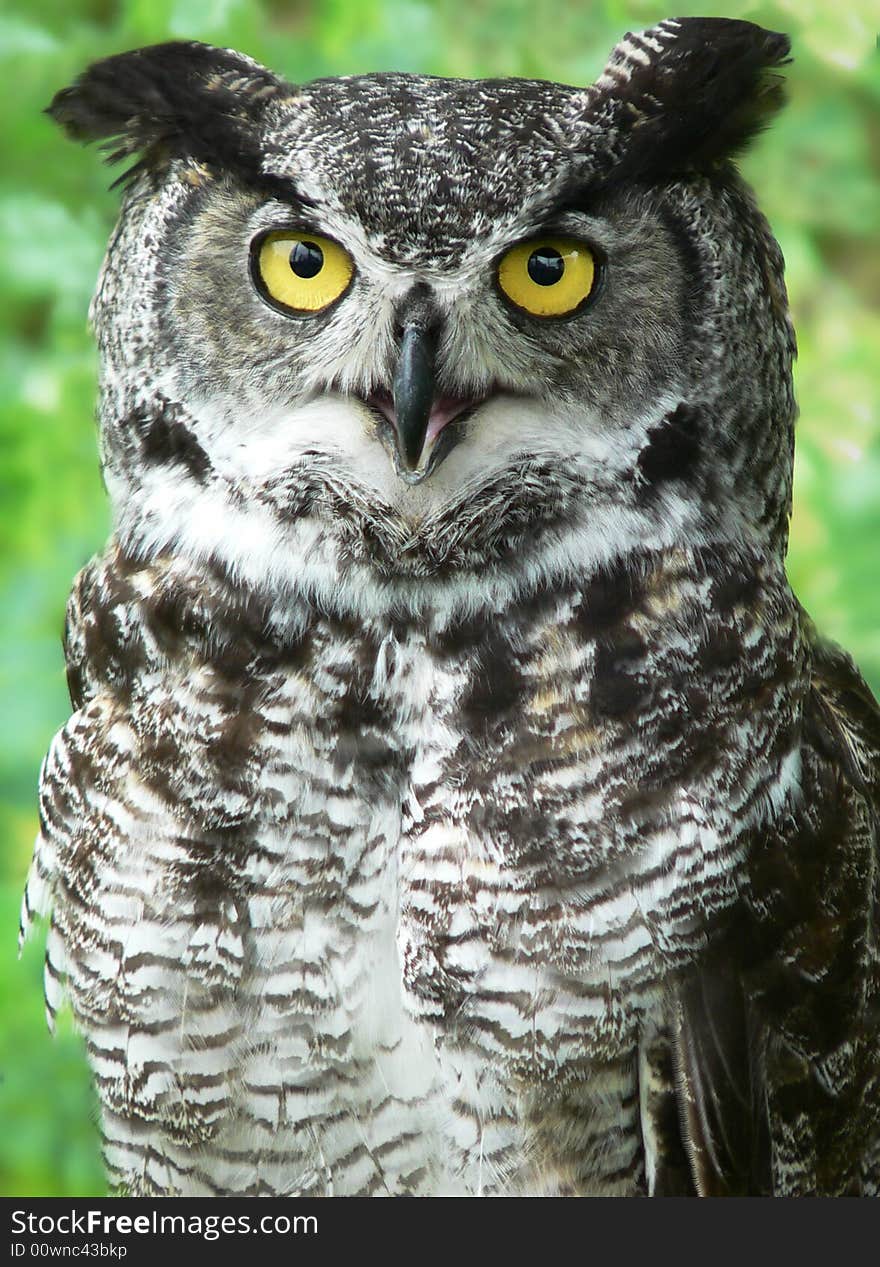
<point>306,259</point>
<point>546,266</point>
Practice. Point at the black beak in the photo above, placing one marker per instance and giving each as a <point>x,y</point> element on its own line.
<point>414,388</point>
<point>414,415</point>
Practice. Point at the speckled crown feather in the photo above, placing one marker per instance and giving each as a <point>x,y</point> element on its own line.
<point>680,97</point>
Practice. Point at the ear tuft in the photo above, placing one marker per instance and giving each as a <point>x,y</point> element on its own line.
<point>168,100</point>
<point>692,92</point>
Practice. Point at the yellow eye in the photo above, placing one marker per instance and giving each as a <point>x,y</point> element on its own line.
<point>300,270</point>
<point>548,277</point>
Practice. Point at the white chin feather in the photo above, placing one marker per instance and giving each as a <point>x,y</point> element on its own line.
<point>168,511</point>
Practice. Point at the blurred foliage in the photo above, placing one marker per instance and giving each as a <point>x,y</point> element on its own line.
<point>818,176</point>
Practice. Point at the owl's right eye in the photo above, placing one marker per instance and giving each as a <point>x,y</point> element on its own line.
<point>300,272</point>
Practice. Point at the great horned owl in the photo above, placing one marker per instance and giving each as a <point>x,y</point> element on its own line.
<point>457,798</point>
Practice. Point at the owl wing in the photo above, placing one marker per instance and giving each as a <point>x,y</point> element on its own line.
<point>774,1039</point>
<point>82,790</point>
<point>149,965</point>
<point>78,848</point>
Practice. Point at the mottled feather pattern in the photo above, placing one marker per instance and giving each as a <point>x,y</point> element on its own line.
<point>244,798</point>
<point>505,830</point>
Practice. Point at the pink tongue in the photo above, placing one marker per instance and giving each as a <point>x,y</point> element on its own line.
<point>443,411</point>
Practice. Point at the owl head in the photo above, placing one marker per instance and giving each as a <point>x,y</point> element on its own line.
<point>395,334</point>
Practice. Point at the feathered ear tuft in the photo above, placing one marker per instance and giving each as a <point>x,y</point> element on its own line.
<point>169,100</point>
<point>692,92</point>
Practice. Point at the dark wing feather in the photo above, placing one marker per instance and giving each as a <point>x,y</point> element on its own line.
<point>667,1162</point>
<point>835,1026</point>
<point>775,1036</point>
<point>845,721</point>
<point>714,1047</point>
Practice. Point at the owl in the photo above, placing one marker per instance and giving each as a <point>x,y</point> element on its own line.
<point>456,798</point>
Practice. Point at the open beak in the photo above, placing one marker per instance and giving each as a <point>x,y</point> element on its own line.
<point>416,413</point>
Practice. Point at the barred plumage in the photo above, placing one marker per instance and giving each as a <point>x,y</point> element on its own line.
<point>483,817</point>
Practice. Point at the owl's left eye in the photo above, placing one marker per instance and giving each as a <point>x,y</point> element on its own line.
<point>548,276</point>
<point>300,271</point>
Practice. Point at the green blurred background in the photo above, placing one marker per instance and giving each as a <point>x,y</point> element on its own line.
<point>817,173</point>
